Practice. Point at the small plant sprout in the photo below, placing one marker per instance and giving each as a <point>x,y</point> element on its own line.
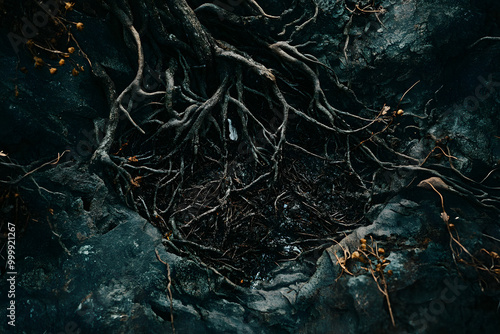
<point>375,263</point>
<point>458,250</point>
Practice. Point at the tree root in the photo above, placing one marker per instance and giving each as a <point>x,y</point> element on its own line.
<point>232,101</point>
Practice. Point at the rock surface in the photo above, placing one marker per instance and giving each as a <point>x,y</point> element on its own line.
<point>89,263</point>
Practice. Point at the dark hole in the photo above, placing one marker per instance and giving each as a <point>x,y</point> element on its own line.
<point>86,204</point>
<point>160,311</point>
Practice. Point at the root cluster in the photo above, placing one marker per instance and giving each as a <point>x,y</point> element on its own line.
<point>239,130</point>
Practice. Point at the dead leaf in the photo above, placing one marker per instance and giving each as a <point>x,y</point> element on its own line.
<point>135,182</point>
<point>385,109</point>
<point>435,181</point>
